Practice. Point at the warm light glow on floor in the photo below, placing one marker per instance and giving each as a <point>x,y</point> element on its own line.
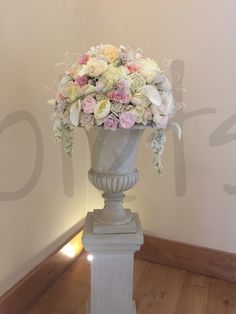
<point>68,250</point>
<point>74,247</point>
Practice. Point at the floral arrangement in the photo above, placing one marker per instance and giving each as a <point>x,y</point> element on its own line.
<point>113,88</point>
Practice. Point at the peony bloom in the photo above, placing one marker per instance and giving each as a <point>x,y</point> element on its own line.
<point>127,119</point>
<point>149,70</point>
<point>95,67</point>
<point>110,52</point>
<point>81,80</point>
<point>88,104</point>
<point>110,77</point>
<point>102,109</point>
<point>83,59</point>
<point>111,122</point>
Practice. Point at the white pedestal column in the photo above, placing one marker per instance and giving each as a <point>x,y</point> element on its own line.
<point>112,268</point>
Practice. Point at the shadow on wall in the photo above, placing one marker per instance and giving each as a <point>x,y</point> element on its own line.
<point>67,167</point>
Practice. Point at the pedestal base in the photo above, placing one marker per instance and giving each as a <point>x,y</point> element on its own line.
<point>111,268</point>
<point>88,308</point>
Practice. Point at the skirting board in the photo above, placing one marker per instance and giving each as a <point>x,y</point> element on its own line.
<point>28,290</point>
<point>201,260</point>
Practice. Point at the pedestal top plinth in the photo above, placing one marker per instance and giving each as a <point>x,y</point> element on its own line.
<point>119,242</point>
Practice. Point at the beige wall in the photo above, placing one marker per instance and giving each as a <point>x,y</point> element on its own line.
<point>202,35</point>
<point>33,37</point>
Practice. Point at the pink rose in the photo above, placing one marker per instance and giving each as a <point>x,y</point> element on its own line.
<point>111,122</point>
<point>122,84</point>
<point>127,119</point>
<point>81,80</point>
<point>119,95</point>
<point>86,120</point>
<point>88,104</point>
<point>83,59</point>
<point>133,67</point>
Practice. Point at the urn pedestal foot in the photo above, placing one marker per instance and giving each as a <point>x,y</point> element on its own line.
<point>112,268</point>
<point>101,228</point>
<point>88,308</point>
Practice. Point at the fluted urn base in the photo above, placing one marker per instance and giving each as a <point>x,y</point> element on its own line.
<point>113,218</point>
<point>104,228</point>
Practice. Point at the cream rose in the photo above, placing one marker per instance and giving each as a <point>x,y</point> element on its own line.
<point>139,110</point>
<point>117,108</point>
<point>137,81</point>
<point>139,99</point>
<point>110,52</point>
<point>102,109</point>
<point>95,67</point>
<point>71,91</point>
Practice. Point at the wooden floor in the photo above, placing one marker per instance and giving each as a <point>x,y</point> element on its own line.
<point>157,290</point>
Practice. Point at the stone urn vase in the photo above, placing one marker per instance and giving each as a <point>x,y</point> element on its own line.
<point>113,156</point>
<point>114,233</point>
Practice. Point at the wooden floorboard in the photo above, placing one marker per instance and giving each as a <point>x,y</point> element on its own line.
<point>194,295</point>
<point>221,297</point>
<point>158,289</point>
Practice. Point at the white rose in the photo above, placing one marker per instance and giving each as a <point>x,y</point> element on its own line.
<point>102,109</point>
<point>95,67</point>
<point>137,81</point>
<point>139,99</point>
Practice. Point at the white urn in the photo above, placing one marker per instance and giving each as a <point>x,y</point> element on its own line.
<point>113,156</point>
